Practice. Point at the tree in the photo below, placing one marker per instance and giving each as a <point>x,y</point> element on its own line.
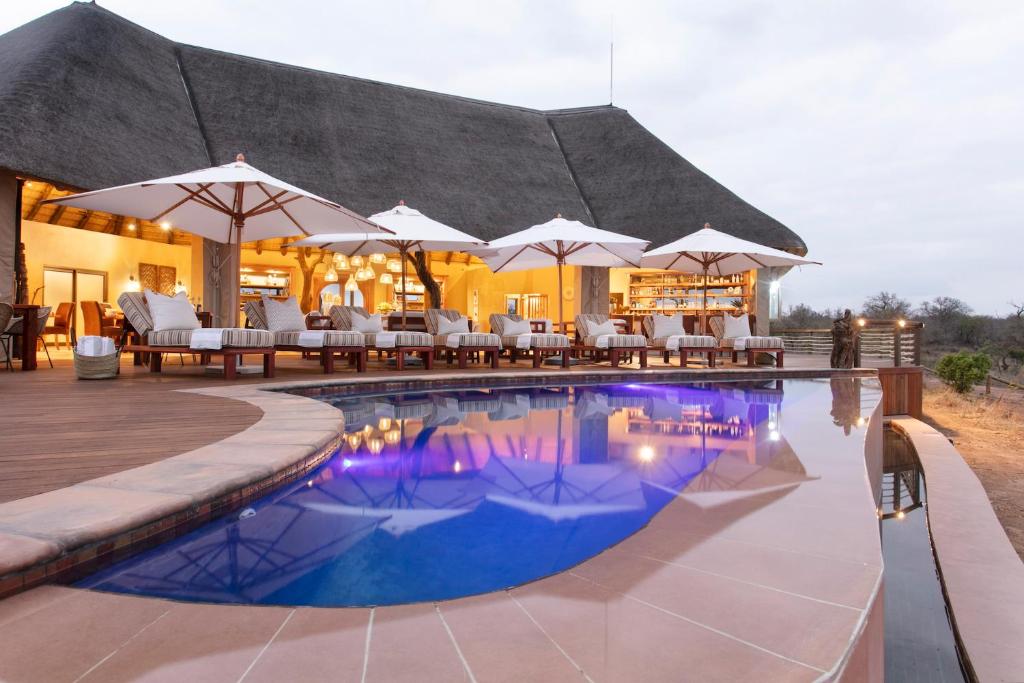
<point>948,321</point>
<point>885,306</point>
<point>421,261</point>
<point>307,266</point>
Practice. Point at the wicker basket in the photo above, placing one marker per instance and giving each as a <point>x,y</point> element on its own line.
<point>97,367</point>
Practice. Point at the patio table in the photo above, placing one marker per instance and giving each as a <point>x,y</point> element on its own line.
<point>29,334</point>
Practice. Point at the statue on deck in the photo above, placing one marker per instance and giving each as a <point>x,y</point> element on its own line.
<point>843,341</point>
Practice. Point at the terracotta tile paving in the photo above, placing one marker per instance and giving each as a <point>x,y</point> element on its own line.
<point>411,643</point>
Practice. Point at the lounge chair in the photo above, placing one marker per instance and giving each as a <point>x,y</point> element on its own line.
<point>734,335</point>
<point>515,334</point>
<point>669,335</point>
<point>399,343</point>
<point>234,342</point>
<point>460,343</point>
<point>597,335</point>
<point>327,343</point>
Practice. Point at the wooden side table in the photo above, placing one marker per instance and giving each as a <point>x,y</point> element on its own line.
<point>29,334</point>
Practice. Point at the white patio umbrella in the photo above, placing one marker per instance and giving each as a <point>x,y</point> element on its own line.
<point>710,251</point>
<point>561,242</point>
<point>233,203</point>
<point>412,231</point>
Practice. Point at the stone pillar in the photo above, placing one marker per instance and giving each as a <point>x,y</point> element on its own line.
<point>764,282</point>
<point>592,289</point>
<point>8,227</point>
<point>195,283</point>
<point>220,291</point>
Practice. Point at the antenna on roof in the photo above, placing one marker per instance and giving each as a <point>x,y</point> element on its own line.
<point>611,61</point>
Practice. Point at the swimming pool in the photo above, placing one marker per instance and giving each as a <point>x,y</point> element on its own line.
<point>441,494</point>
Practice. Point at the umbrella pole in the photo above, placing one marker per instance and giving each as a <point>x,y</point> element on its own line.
<point>704,307</point>
<point>561,313</point>
<point>403,253</point>
<point>234,298</point>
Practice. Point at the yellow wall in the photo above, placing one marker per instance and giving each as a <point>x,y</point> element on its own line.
<point>119,257</point>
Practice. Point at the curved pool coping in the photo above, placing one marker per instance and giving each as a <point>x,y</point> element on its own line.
<point>982,574</point>
<point>58,536</point>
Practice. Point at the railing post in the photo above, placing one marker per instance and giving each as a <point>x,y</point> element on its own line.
<point>897,345</point>
<point>856,346</point>
<point>917,345</point>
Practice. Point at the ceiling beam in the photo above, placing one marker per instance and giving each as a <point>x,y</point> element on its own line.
<point>55,218</point>
<point>83,219</point>
<point>39,203</point>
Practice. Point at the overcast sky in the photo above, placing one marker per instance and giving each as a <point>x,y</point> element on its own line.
<point>889,135</point>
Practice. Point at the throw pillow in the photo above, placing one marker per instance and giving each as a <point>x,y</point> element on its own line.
<point>458,326</point>
<point>607,327</point>
<point>171,312</point>
<point>284,316</point>
<point>367,324</point>
<point>668,325</point>
<point>736,327</point>
<point>516,327</point>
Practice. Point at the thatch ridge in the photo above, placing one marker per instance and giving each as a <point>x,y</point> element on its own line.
<point>89,99</point>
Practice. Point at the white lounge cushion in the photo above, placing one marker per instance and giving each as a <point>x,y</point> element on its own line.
<point>458,326</point>
<point>736,327</point>
<point>598,329</point>
<point>367,324</point>
<point>668,325</point>
<point>516,327</point>
<point>171,312</point>
<point>283,316</point>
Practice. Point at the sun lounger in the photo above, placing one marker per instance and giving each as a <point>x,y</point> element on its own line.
<point>734,335</point>
<point>597,335</point>
<point>230,343</point>
<point>516,335</point>
<point>453,342</point>
<point>326,343</point>
<point>670,336</point>
<point>398,343</point>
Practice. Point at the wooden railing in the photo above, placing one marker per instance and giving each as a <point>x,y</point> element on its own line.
<point>898,341</point>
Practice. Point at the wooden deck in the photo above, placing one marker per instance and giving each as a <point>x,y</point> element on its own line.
<point>56,431</point>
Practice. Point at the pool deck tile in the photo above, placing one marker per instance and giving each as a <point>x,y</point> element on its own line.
<point>410,643</point>
<point>21,551</point>
<point>315,645</point>
<point>194,643</point>
<point>65,638</point>
<point>479,623</point>
<point>197,481</point>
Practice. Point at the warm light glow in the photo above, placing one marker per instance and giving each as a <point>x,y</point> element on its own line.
<point>368,429</point>
<point>386,279</point>
<point>862,322</point>
<point>365,273</point>
<point>376,445</point>
<point>392,437</point>
<point>357,261</point>
<point>28,183</point>
<point>384,424</point>
<point>900,514</point>
<point>394,265</point>
<point>165,226</point>
<point>646,454</point>
<point>457,467</point>
<point>902,323</point>
<point>350,285</point>
<point>331,275</point>
<point>341,262</point>
<point>309,483</point>
<point>131,226</point>
<point>133,284</point>
<point>378,258</point>
<point>774,435</point>
<point>861,421</point>
<point>354,440</point>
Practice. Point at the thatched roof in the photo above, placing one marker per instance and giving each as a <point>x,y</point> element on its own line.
<point>89,100</point>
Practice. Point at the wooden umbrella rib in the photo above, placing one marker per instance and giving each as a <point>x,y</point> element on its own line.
<point>190,195</point>
<point>282,209</point>
<point>512,257</point>
<point>635,265</point>
<point>215,199</point>
<point>269,203</point>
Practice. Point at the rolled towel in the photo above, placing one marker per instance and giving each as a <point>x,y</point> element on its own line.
<point>207,338</point>
<point>385,340</point>
<point>312,339</point>
<point>523,341</point>
<point>94,346</point>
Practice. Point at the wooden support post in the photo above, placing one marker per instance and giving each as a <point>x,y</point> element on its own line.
<point>897,345</point>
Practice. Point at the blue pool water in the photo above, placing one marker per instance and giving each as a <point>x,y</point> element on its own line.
<point>444,494</point>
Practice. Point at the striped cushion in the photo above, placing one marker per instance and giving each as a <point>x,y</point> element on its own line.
<point>341,316</point>
<point>470,339</point>
<point>584,320</point>
<point>331,338</point>
<point>539,341</point>
<point>757,342</point>
<point>620,341</point>
<point>233,338</point>
<point>136,311</point>
<point>689,341</point>
<point>410,339</point>
<point>255,314</point>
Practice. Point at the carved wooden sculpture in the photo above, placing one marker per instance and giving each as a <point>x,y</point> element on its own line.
<point>843,341</point>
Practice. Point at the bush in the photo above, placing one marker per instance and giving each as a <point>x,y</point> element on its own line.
<point>962,370</point>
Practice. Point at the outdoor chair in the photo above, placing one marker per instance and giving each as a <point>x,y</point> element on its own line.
<point>667,334</point>
<point>99,322</point>
<point>235,342</point>
<point>460,344</point>
<point>15,329</point>
<point>515,333</point>
<point>63,324</point>
<point>399,343</point>
<point>326,343</point>
<point>598,335</point>
<point>734,335</point>
<point>7,321</point>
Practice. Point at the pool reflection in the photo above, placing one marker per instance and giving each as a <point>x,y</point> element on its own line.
<point>445,494</point>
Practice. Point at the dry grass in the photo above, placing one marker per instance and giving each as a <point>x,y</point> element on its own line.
<point>988,431</point>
